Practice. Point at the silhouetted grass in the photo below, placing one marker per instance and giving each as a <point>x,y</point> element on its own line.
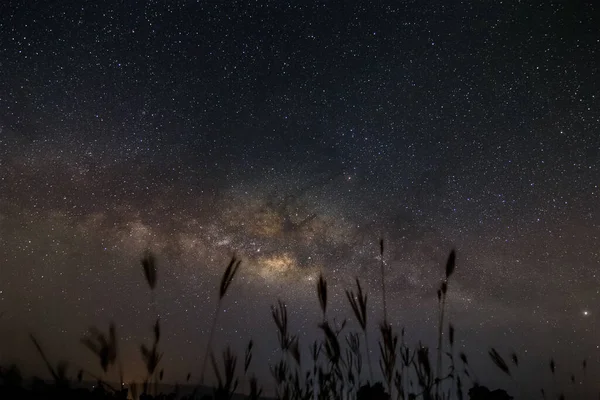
<point>226,281</point>
<point>103,346</point>
<point>385,318</point>
<point>226,381</point>
<point>59,374</point>
<point>151,356</point>
<point>442,293</point>
<point>358,303</point>
<point>322,294</point>
<point>334,370</point>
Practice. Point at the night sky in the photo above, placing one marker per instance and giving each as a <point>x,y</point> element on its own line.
<point>295,135</point>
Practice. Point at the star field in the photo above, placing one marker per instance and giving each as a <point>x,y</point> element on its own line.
<point>295,136</point>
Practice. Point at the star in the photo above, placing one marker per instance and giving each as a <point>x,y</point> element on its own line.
<point>296,135</point>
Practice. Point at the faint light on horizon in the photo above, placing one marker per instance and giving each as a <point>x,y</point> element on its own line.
<point>586,313</point>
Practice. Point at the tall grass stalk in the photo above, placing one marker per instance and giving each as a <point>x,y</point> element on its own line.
<point>55,375</point>
<point>149,268</point>
<point>151,356</point>
<point>104,347</point>
<point>442,292</point>
<point>385,316</point>
<point>226,280</point>
<point>358,302</point>
<point>322,295</point>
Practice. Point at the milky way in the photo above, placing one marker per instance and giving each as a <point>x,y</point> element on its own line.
<point>296,136</point>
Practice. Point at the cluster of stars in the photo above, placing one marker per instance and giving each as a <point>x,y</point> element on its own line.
<point>295,136</point>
